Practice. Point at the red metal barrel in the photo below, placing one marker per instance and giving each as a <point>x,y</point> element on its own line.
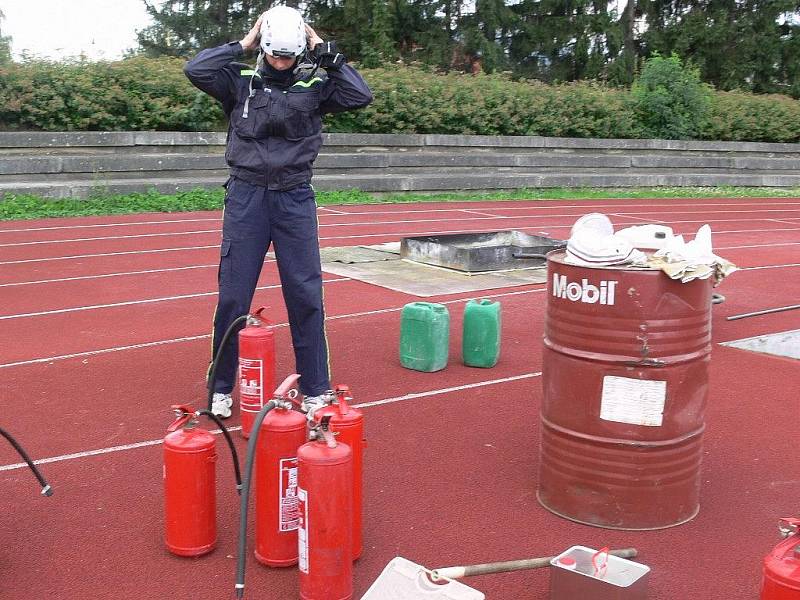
<point>625,378</point>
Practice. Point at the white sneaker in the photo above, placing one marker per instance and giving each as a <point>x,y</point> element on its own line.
<point>313,403</point>
<point>221,405</point>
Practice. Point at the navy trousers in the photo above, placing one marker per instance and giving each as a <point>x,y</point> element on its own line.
<point>255,217</point>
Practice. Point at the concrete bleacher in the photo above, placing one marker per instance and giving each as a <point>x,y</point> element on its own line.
<point>79,164</point>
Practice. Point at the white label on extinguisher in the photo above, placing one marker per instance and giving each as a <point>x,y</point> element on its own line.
<point>251,392</point>
<point>288,486</point>
<point>634,401</point>
<point>302,531</point>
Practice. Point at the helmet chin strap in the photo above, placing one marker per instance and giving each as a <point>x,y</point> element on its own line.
<point>252,92</point>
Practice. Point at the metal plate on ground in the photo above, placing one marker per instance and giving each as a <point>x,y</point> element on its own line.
<point>480,251</point>
<point>423,280</point>
<point>784,343</point>
<point>355,254</point>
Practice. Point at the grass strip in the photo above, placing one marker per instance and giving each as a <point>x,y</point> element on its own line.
<point>22,206</point>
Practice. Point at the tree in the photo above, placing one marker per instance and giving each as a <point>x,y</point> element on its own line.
<point>183,27</point>
<point>488,31</point>
<point>623,46</point>
<point>736,44</point>
<point>671,100</point>
<point>5,44</point>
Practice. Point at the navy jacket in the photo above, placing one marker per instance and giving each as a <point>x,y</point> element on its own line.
<point>273,140</point>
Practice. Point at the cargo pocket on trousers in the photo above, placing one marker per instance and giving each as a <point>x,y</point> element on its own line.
<point>224,261</point>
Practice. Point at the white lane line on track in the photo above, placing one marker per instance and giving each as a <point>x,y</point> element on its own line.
<point>380,235</point>
<point>639,218</point>
<point>145,444</point>
<point>457,388</point>
<point>117,224</point>
<point>111,237</point>
<point>82,277</point>
<point>133,302</point>
<point>76,256</point>
<point>208,335</point>
<point>517,217</point>
<point>785,221</point>
<point>536,205</point>
<point>272,260</point>
<point>446,231</point>
<point>758,246</point>
<point>475,212</point>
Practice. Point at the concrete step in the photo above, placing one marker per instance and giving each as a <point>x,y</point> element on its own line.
<point>176,163</point>
<point>51,140</point>
<point>417,182</point>
<point>454,173</point>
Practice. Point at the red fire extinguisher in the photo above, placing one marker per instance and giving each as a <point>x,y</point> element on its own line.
<point>782,565</point>
<point>190,492</point>
<point>347,424</point>
<point>325,537</point>
<point>282,432</point>
<point>256,367</point>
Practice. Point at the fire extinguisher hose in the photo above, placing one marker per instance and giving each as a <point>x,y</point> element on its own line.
<point>212,373</point>
<point>229,439</point>
<point>46,489</point>
<point>248,471</point>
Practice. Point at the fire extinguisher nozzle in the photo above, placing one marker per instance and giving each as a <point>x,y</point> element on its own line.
<point>47,491</point>
<point>239,591</point>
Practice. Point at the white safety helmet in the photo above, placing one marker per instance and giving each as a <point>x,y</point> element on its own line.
<point>283,32</point>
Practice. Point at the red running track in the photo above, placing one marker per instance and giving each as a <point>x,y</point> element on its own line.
<point>105,323</point>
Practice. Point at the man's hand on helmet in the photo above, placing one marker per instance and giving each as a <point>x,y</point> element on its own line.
<point>327,55</point>
<point>250,41</point>
<point>312,38</point>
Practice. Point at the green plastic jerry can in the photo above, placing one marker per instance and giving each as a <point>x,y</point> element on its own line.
<point>480,343</point>
<point>424,336</point>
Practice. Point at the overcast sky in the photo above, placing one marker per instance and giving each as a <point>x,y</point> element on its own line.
<point>60,28</point>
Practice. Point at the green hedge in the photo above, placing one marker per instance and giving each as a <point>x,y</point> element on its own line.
<point>153,94</point>
<point>129,95</point>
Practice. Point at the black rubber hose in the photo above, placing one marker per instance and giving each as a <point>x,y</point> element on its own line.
<point>248,471</point>
<point>212,374</point>
<point>46,489</point>
<point>228,439</point>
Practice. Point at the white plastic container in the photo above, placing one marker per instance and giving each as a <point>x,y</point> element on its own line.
<point>623,579</point>
<point>646,237</point>
<point>402,579</point>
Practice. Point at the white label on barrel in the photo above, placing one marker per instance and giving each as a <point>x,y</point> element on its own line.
<point>634,401</point>
<point>251,393</point>
<point>288,508</point>
<point>302,532</point>
<point>585,291</point>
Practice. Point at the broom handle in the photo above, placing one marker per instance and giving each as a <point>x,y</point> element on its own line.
<point>510,565</point>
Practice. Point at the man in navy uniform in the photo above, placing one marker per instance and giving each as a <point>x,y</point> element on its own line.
<point>274,136</point>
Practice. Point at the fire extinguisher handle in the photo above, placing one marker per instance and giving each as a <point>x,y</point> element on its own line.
<point>342,397</point>
<point>287,384</point>
<point>183,413</point>
<point>788,526</point>
<point>258,315</point>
